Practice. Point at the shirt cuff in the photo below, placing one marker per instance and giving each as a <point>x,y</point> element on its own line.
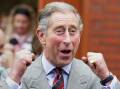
<point>12,84</point>
<point>112,84</point>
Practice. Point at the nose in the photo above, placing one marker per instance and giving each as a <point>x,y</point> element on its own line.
<point>67,38</point>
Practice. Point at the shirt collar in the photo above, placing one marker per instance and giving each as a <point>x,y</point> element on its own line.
<point>48,67</point>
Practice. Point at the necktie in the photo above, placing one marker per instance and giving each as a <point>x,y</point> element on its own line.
<point>58,82</point>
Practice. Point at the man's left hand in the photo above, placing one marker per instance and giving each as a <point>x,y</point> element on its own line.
<point>97,64</point>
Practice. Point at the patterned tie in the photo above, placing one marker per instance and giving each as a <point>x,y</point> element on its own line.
<point>58,82</point>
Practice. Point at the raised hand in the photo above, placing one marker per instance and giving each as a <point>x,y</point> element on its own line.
<point>22,60</point>
<point>97,64</point>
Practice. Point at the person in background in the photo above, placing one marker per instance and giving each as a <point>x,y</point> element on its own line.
<point>19,30</point>
<point>6,56</point>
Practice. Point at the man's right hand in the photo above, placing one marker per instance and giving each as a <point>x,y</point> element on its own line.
<point>23,59</point>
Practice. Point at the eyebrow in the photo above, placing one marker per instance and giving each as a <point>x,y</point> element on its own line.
<point>73,26</point>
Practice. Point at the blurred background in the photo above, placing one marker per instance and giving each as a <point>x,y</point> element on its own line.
<point>18,21</point>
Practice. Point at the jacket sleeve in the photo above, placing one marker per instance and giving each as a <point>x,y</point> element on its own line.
<point>3,85</point>
<point>95,84</point>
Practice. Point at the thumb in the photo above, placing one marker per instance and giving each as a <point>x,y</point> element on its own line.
<point>33,56</point>
<point>84,59</point>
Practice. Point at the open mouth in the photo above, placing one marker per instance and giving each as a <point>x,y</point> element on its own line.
<point>65,51</point>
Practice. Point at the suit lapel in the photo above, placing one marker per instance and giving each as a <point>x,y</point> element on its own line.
<point>40,82</point>
<point>77,79</point>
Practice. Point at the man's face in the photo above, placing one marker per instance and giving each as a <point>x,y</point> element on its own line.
<point>21,24</point>
<point>62,38</point>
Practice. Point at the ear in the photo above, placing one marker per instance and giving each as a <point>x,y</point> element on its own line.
<point>41,36</point>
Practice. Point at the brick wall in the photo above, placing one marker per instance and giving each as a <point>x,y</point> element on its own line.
<point>103,25</point>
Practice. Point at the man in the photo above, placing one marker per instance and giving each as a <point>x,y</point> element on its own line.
<point>59,31</point>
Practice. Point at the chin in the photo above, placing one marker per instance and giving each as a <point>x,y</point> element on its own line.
<point>64,62</point>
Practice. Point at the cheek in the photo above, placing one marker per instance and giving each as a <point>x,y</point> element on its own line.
<point>25,26</point>
<point>26,23</point>
<point>76,41</point>
<point>54,41</point>
<point>18,25</point>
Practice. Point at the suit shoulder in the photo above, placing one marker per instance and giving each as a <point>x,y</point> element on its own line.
<point>34,70</point>
<point>83,68</point>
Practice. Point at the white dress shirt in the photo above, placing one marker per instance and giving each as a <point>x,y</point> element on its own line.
<point>50,74</point>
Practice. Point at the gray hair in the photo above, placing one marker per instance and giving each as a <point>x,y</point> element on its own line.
<point>50,8</point>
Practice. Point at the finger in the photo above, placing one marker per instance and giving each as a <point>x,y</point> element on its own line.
<point>92,65</point>
<point>26,56</point>
<point>95,60</point>
<point>94,57</point>
<point>91,54</point>
<point>33,56</point>
<point>30,58</point>
<point>21,54</point>
<point>28,64</point>
<point>84,59</point>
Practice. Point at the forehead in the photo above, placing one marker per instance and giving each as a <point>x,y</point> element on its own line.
<point>20,17</point>
<point>63,17</point>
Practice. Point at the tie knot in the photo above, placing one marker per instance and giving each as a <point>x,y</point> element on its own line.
<point>58,70</point>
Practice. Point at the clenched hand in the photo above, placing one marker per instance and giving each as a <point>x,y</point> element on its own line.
<point>22,60</point>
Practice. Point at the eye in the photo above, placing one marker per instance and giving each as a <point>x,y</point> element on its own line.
<point>59,30</point>
<point>73,31</point>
